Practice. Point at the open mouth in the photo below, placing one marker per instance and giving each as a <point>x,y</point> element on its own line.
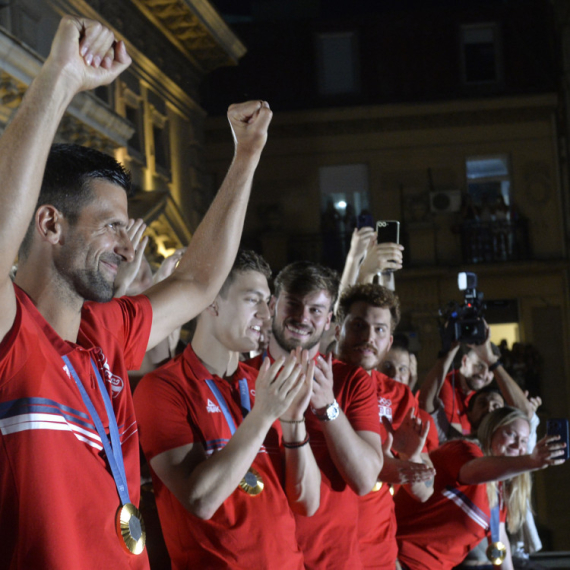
<point>297,331</point>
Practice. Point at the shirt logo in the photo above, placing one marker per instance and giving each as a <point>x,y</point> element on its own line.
<point>211,408</point>
<point>385,408</point>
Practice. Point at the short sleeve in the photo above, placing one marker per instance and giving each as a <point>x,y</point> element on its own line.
<point>361,407</point>
<point>453,455</point>
<point>129,319</point>
<point>162,415</point>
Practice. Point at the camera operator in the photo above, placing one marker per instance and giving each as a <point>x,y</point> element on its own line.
<point>445,394</point>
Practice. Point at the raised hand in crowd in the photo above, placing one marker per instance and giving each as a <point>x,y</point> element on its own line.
<point>380,257</point>
<point>128,270</point>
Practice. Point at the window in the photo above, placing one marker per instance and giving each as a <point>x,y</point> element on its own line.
<point>136,142</point>
<point>345,188</point>
<point>338,72</point>
<point>488,180</point>
<point>480,54</point>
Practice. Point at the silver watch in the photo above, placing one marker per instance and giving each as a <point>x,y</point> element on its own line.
<point>328,413</point>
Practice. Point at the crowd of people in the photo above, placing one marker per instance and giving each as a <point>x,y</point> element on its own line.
<point>285,435</point>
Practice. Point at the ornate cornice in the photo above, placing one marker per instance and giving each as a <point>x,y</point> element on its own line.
<point>196,29</point>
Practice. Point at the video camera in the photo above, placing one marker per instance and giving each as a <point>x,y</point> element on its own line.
<point>464,323</point>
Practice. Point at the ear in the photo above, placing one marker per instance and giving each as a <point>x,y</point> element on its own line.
<point>328,323</point>
<point>464,362</point>
<point>271,306</point>
<point>337,329</point>
<point>49,224</point>
<point>390,343</point>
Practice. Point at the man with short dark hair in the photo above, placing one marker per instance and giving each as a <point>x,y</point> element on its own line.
<point>209,429</point>
<point>343,421</point>
<point>69,460</point>
<point>367,316</point>
<point>446,395</point>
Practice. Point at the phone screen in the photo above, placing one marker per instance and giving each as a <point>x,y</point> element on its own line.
<point>388,231</point>
<point>559,426</point>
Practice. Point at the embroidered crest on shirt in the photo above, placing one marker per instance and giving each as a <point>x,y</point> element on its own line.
<point>117,383</point>
<point>211,408</point>
<point>385,408</point>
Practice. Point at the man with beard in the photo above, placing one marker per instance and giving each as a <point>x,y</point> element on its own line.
<point>342,424</point>
<point>445,395</point>
<point>367,316</point>
<point>210,432</point>
<point>69,460</point>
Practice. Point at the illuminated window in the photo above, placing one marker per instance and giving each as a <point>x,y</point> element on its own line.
<point>488,179</point>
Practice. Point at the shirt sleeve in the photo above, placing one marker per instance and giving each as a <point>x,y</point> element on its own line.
<point>129,319</point>
<point>162,415</point>
<point>361,409</point>
<point>447,399</point>
<point>457,453</point>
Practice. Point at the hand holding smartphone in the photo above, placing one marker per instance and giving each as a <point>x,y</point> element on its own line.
<point>559,426</point>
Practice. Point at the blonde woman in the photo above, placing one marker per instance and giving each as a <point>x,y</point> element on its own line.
<point>473,477</point>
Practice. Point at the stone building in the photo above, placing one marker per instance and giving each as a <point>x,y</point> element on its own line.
<point>447,116</point>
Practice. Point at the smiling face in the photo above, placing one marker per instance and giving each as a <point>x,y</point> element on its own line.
<point>511,439</point>
<point>475,371</point>
<point>301,320</point>
<point>242,312</point>
<point>91,250</point>
<point>365,336</point>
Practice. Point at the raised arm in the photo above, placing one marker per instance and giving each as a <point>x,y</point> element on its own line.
<point>84,55</point>
<point>497,468</point>
<point>209,257</point>
<point>431,387</point>
<point>202,484</point>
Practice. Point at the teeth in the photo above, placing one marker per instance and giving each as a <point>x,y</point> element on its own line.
<point>297,331</point>
<point>256,328</point>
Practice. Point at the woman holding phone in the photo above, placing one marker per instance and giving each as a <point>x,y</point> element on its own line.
<point>479,485</point>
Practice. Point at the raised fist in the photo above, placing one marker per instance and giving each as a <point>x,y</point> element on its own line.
<point>249,122</point>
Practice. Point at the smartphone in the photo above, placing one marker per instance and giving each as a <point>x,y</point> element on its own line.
<point>365,221</point>
<point>388,231</point>
<point>559,426</point>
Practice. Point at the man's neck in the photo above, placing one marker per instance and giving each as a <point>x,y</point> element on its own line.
<point>276,350</point>
<point>217,359</point>
<point>60,307</point>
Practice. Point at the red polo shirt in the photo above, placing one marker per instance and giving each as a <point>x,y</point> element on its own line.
<point>58,498</point>
<point>176,407</point>
<point>329,539</point>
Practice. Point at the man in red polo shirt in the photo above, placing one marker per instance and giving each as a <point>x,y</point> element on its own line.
<point>343,421</point>
<point>209,431</point>
<point>367,315</point>
<point>69,465</point>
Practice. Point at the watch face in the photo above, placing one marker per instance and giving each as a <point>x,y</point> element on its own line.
<point>333,411</point>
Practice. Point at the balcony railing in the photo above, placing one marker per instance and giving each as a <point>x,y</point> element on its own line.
<point>494,241</point>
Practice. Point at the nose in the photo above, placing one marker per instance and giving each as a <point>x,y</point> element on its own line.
<point>124,247</point>
<point>263,311</point>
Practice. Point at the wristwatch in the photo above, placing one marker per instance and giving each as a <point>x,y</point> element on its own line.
<point>328,413</point>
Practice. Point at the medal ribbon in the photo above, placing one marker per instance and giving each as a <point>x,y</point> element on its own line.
<point>244,397</point>
<point>495,524</point>
<point>112,448</point>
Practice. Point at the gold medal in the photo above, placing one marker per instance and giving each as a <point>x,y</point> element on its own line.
<point>496,552</point>
<point>252,483</point>
<point>377,486</point>
<point>130,528</point>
